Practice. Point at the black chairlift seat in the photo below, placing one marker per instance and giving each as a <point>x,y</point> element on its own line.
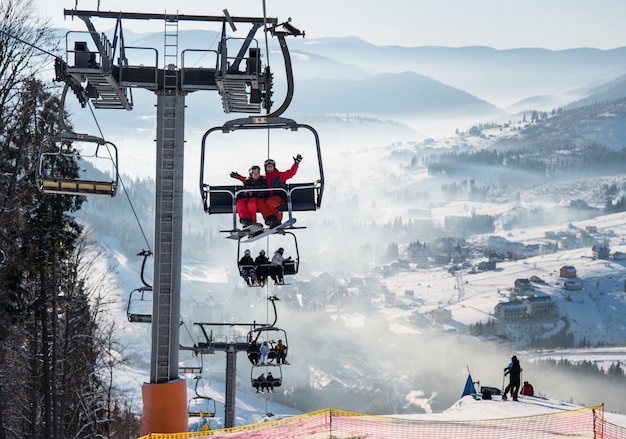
<point>83,187</point>
<point>302,196</point>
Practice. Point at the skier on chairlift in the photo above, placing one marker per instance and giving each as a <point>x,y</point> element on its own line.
<point>276,267</point>
<point>276,179</point>
<point>247,268</point>
<point>247,200</point>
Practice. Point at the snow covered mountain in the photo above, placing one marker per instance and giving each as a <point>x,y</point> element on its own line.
<point>353,319</point>
<point>375,323</point>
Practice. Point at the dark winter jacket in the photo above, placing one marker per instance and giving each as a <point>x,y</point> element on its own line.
<point>514,370</point>
<point>246,260</point>
<point>250,183</point>
<point>261,260</point>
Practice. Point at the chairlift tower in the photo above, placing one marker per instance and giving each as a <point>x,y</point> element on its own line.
<point>105,77</point>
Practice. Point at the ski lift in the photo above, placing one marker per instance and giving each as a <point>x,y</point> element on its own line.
<point>260,383</point>
<point>200,405</point>
<point>139,308</point>
<point>221,199</point>
<point>271,335</point>
<point>291,265</point>
<point>59,160</point>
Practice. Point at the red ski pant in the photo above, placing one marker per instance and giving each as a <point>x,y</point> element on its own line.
<point>246,208</point>
<point>269,206</point>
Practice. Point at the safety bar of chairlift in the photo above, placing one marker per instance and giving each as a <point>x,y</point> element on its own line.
<point>219,342</point>
<point>206,190</point>
<point>286,265</point>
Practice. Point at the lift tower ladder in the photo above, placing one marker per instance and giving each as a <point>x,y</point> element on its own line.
<point>169,198</point>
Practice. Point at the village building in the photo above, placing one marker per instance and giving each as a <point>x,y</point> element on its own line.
<point>567,271</point>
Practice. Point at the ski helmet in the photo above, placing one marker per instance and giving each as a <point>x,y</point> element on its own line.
<point>281,250</point>
<point>262,252</point>
<point>269,162</point>
<point>247,252</point>
<point>254,168</point>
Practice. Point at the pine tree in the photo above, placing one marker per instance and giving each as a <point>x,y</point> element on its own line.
<point>50,341</point>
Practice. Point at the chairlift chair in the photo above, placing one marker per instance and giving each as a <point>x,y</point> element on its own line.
<point>139,308</point>
<point>270,334</point>
<point>200,405</point>
<point>60,158</point>
<point>290,267</point>
<point>275,369</point>
<point>221,199</point>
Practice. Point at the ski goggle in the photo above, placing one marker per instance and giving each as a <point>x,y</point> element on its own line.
<point>254,168</point>
<point>269,162</point>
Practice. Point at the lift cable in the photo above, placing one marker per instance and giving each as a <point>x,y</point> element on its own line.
<point>28,44</point>
<point>267,55</point>
<point>132,207</point>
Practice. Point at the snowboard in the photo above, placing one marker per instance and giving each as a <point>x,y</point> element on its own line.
<point>266,232</point>
<point>247,231</point>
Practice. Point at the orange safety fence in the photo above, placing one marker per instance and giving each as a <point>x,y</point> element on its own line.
<point>586,422</point>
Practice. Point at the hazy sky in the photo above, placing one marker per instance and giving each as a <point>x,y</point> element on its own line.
<point>551,24</point>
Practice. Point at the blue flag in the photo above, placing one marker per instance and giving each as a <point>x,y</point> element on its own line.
<point>469,387</point>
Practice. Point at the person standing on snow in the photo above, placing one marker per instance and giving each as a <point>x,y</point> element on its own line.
<point>513,370</point>
<point>276,179</point>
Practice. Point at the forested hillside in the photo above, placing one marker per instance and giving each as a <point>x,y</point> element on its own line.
<point>56,348</point>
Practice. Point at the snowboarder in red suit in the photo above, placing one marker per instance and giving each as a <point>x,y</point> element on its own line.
<point>276,179</point>
<point>247,201</point>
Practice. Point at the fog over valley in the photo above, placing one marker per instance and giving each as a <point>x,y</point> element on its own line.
<point>450,175</point>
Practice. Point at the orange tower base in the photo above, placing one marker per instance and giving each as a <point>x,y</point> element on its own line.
<point>164,408</point>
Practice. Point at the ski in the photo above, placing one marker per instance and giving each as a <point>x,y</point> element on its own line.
<point>266,232</point>
<point>247,231</point>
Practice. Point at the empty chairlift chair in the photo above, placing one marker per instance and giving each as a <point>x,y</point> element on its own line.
<point>77,164</point>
